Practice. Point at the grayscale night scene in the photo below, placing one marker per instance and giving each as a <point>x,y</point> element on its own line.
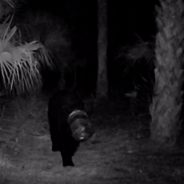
<point>91,92</point>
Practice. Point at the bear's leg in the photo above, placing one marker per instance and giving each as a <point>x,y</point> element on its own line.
<point>67,159</point>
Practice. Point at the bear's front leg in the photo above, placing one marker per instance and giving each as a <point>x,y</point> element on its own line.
<point>67,159</point>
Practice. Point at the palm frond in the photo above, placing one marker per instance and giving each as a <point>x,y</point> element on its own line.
<point>11,3</point>
<point>20,64</point>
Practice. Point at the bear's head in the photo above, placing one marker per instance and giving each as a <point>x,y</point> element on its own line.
<point>80,125</point>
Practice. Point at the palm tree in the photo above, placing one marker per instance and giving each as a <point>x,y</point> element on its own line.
<point>102,82</point>
<point>11,3</point>
<point>20,63</point>
<point>167,102</point>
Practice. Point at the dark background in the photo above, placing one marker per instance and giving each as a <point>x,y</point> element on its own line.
<point>129,22</point>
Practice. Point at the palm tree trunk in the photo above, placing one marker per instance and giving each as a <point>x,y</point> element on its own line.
<point>102,82</point>
<point>167,102</point>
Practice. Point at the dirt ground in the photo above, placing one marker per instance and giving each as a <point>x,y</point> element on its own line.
<point>119,152</point>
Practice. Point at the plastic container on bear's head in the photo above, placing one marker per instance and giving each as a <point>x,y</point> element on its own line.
<point>80,125</point>
<point>75,114</point>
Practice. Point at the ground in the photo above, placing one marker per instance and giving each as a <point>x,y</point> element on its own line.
<point>119,152</point>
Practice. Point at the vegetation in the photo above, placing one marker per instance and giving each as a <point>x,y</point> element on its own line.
<point>120,151</point>
<point>10,3</point>
<point>20,63</point>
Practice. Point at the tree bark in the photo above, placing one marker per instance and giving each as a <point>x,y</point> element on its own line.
<point>102,81</point>
<point>167,102</point>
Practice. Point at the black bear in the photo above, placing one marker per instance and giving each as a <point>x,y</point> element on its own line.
<point>69,124</point>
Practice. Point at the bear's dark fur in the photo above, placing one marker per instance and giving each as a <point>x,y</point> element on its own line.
<point>60,106</point>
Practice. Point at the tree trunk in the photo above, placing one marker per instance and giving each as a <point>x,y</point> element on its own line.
<point>167,103</point>
<point>102,81</point>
